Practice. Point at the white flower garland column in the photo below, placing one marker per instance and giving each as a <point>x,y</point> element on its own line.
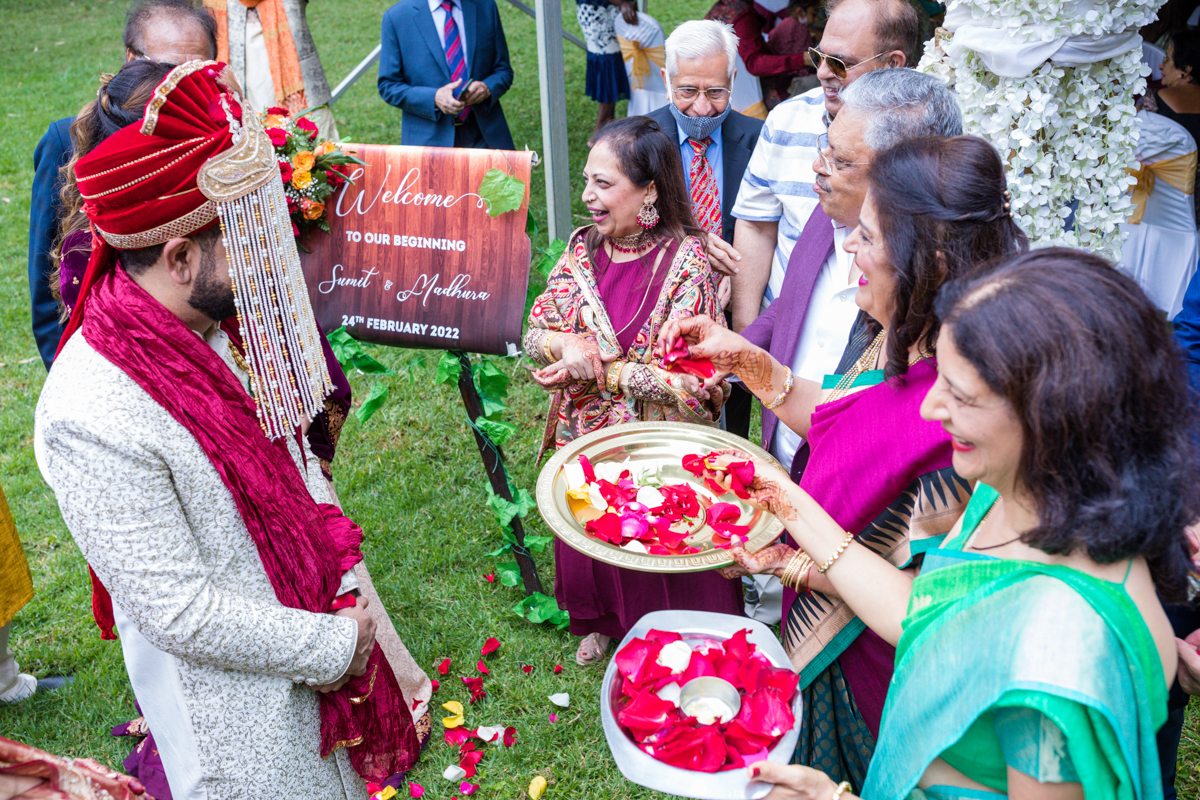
<point>1051,84</point>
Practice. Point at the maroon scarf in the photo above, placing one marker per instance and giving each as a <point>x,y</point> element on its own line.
<point>303,554</point>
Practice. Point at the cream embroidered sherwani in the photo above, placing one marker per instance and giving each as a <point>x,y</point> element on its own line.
<point>222,669</point>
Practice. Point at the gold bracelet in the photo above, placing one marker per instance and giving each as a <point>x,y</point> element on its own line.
<point>546,351</point>
<point>792,569</point>
<point>787,387</point>
<point>844,786</point>
<point>845,543</point>
<point>612,379</point>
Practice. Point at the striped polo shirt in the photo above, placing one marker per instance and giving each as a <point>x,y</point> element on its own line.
<point>778,182</point>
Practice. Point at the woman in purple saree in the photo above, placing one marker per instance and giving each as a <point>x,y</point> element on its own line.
<point>935,208</point>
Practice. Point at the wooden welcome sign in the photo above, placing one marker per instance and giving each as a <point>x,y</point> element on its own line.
<point>414,259</point>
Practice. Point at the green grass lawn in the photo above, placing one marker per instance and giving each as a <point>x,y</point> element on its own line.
<point>411,477</point>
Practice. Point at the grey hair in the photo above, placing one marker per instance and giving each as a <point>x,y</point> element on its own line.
<point>902,104</point>
<point>701,38</point>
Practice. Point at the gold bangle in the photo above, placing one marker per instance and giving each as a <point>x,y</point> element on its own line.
<point>612,379</point>
<point>788,382</point>
<point>546,351</point>
<point>841,548</point>
<point>792,569</point>
<point>844,786</point>
<point>804,581</point>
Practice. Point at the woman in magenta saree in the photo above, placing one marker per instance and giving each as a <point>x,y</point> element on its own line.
<point>934,208</point>
<point>593,332</point>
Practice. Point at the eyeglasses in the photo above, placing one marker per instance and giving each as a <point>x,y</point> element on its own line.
<point>836,65</point>
<point>833,165</point>
<point>715,95</point>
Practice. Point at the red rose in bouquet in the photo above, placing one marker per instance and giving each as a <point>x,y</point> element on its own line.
<point>278,137</point>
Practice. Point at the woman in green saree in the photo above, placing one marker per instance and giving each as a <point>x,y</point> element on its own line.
<point>1034,659</point>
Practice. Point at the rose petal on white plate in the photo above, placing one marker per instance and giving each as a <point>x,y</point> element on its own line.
<point>671,693</point>
<point>634,546</point>
<point>676,656</point>
<point>454,773</point>
<point>562,699</point>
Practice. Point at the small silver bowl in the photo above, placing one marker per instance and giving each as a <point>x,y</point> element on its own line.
<point>711,687</point>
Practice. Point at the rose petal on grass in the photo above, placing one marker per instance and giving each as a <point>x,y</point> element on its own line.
<point>490,577</point>
<point>510,736</point>
<point>557,669</point>
<point>475,685</point>
<point>435,685</point>
<point>537,787</point>
<point>490,646</point>
<point>456,736</point>
<point>443,667</point>
<point>482,667</point>
<point>456,714</point>
<point>489,734</point>
<point>415,790</point>
<point>562,699</point>
<point>553,717</point>
<point>527,668</point>
<point>467,788</point>
<point>469,760</point>
<point>454,773</point>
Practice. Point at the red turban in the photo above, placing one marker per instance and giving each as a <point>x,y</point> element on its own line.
<point>139,185</point>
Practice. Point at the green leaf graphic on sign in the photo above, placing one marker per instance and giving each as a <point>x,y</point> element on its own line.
<point>503,192</point>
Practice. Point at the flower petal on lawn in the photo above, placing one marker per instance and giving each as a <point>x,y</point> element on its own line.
<point>456,736</point>
<point>490,646</point>
<point>467,788</point>
<point>454,773</point>
<point>562,699</point>
<point>456,714</point>
<point>527,668</point>
<point>557,668</point>
<point>489,734</point>
<point>415,790</point>
<point>435,685</point>
<point>482,667</point>
<point>475,685</point>
<point>553,717</point>
<point>443,667</point>
<point>510,736</point>
<point>490,577</point>
<point>537,787</point>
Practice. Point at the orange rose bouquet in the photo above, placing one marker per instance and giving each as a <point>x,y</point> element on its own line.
<point>311,169</point>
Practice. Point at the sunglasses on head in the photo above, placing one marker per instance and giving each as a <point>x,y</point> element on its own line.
<point>836,65</point>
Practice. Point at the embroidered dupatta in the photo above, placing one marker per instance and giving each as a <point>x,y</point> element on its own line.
<point>303,548</point>
<point>571,303</point>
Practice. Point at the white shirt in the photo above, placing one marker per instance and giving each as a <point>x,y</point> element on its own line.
<point>778,183</point>
<point>439,22</point>
<point>831,315</point>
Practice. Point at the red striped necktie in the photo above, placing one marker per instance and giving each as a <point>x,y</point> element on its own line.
<point>706,203</point>
<point>454,52</point>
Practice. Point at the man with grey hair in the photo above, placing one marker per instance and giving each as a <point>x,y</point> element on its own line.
<point>715,142</point>
<point>809,323</point>
<point>776,196</point>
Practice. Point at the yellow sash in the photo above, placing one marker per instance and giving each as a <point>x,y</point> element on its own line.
<point>641,58</point>
<point>1179,171</point>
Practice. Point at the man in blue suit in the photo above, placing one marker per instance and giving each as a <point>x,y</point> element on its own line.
<point>170,31</point>
<point>445,64</point>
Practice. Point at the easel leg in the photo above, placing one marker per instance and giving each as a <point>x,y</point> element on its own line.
<point>494,468</point>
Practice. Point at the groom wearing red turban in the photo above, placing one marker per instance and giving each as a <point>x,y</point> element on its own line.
<point>173,447</point>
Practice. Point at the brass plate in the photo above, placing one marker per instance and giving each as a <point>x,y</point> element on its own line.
<point>655,444</point>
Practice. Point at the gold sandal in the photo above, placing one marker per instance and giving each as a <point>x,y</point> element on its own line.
<point>592,649</point>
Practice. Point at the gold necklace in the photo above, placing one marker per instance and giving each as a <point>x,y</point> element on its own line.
<point>632,243</point>
<point>865,362</point>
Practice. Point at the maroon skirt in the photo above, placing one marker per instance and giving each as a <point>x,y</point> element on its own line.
<point>609,600</point>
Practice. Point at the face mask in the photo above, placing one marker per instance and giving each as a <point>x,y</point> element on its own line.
<point>698,127</point>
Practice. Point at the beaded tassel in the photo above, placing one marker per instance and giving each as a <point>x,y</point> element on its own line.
<point>283,348</point>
